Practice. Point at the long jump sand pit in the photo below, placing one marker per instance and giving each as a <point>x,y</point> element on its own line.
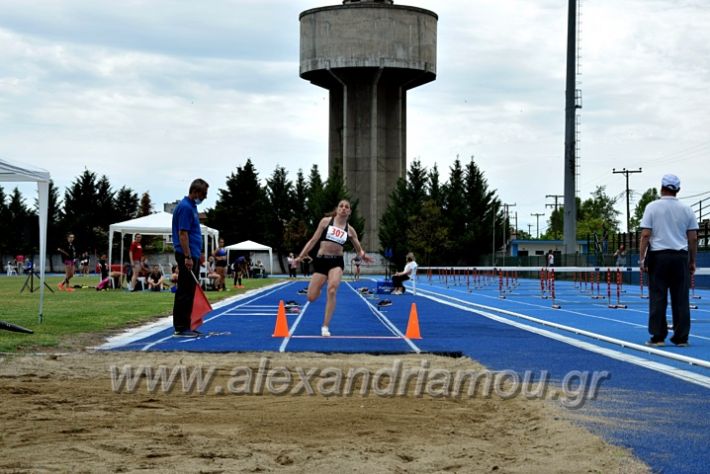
<point>63,413</point>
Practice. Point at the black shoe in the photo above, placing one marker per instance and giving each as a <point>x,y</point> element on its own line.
<point>655,343</point>
<point>384,303</point>
<point>303,291</point>
<point>187,333</point>
<point>678,343</point>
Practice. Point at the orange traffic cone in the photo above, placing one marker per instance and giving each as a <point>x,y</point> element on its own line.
<point>413,324</point>
<point>281,328</point>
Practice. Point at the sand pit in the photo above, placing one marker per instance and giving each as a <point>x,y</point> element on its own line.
<point>60,413</point>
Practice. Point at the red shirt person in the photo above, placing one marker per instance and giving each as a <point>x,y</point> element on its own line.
<point>135,254</point>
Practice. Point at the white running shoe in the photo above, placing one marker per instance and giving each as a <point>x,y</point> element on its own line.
<point>324,331</point>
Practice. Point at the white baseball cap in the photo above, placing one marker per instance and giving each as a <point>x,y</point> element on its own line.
<point>671,182</point>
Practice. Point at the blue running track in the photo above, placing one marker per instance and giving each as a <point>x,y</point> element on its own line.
<point>655,401</point>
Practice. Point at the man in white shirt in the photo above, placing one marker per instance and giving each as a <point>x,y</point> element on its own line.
<point>668,249</point>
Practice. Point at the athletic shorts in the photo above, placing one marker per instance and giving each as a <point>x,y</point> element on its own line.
<point>68,263</point>
<point>324,263</point>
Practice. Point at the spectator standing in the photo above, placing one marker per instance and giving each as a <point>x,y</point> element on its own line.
<point>668,249</point>
<point>620,256</point>
<point>220,265</point>
<point>187,238</point>
<point>292,265</point>
<point>84,264</point>
<point>135,255</point>
<point>68,252</point>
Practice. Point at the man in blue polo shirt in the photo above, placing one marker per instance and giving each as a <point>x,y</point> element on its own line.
<point>668,249</point>
<point>187,239</point>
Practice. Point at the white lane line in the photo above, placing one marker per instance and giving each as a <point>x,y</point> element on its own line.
<point>385,321</point>
<point>656,366</point>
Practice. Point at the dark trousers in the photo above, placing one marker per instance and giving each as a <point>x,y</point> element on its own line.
<point>185,294</point>
<point>668,271</point>
<point>398,281</point>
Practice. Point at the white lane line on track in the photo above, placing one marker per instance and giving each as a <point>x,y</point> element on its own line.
<point>578,313</point>
<point>593,335</point>
<point>258,295</point>
<point>292,329</point>
<point>656,366</point>
<point>385,321</point>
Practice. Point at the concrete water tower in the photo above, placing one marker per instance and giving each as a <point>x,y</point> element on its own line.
<point>368,54</point>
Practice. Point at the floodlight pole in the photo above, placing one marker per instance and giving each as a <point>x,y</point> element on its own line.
<point>571,106</point>
<point>626,172</point>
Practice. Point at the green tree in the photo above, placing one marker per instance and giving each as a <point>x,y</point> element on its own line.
<point>5,237</point>
<point>315,205</point>
<point>24,237</point>
<point>650,195</point>
<point>596,214</point>
<point>428,235</point>
<point>455,209</point>
<point>240,212</point>
<point>281,197</point>
<point>404,209</point>
<point>484,215</point>
<point>145,207</point>
<point>125,204</point>
<point>301,195</point>
<point>434,186</point>
<point>55,233</point>
<point>88,211</point>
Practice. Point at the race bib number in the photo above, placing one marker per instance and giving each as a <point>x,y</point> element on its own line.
<point>339,236</point>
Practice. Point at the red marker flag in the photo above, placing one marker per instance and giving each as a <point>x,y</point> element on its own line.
<point>200,307</point>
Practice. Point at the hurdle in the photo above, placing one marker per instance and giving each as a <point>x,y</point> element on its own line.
<point>552,290</point>
<point>594,276</point>
<point>501,294</point>
<point>618,304</point>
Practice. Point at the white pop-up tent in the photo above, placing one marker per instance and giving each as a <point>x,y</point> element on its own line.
<point>10,171</point>
<point>251,246</point>
<point>160,223</point>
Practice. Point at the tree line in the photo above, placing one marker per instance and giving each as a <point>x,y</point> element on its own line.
<point>456,222</point>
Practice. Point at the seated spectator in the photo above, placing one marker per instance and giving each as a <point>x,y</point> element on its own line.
<point>410,271</point>
<point>145,268</point>
<point>155,279</point>
<point>259,271</point>
<point>211,274</point>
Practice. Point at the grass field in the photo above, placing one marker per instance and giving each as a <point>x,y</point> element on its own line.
<point>78,318</point>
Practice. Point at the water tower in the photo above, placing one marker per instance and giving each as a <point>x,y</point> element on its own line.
<point>368,54</point>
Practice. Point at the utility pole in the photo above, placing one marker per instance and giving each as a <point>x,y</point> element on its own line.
<point>626,173</point>
<point>530,230</point>
<point>537,215</point>
<point>556,197</point>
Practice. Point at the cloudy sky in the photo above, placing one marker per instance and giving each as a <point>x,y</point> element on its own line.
<point>153,93</point>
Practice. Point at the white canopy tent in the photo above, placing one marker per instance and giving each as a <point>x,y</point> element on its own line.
<point>160,223</point>
<point>251,246</point>
<point>10,171</point>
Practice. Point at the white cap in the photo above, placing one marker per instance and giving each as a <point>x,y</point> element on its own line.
<point>671,182</point>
